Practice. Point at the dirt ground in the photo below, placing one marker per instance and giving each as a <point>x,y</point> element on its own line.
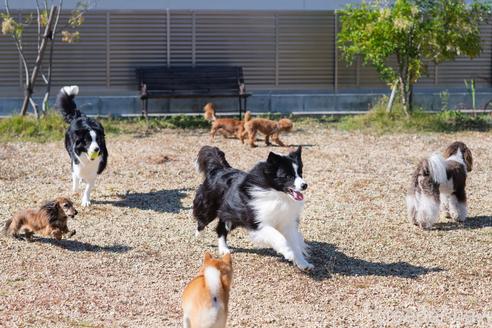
<point>135,250</point>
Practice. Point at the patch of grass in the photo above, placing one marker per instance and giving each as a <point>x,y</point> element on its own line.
<point>52,127</point>
<point>310,121</point>
<point>18,128</point>
<point>379,121</point>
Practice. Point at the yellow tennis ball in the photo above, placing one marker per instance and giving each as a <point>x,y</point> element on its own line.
<point>94,155</point>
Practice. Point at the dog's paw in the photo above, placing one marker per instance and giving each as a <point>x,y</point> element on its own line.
<point>304,265</point>
<point>224,250</point>
<point>446,215</point>
<point>460,219</point>
<point>71,233</point>
<point>454,215</point>
<point>57,235</point>
<point>85,202</point>
<point>288,255</point>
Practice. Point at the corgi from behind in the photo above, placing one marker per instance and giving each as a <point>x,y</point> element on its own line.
<point>206,297</point>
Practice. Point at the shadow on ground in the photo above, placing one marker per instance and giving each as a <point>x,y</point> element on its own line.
<point>259,143</point>
<point>303,145</point>
<point>293,146</point>
<point>476,222</point>
<point>328,260</point>
<point>78,246</point>
<point>165,201</point>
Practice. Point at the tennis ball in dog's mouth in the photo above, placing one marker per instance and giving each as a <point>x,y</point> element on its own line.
<point>93,155</point>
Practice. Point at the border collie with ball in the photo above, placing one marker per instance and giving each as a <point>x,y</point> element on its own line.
<point>84,141</point>
<point>267,201</point>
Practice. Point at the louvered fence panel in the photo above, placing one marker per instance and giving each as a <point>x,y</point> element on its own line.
<point>306,48</point>
<point>238,39</point>
<point>136,39</point>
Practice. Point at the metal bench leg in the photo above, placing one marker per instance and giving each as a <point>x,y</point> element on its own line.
<point>240,108</point>
<point>146,109</point>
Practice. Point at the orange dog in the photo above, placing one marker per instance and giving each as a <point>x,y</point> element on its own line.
<point>206,297</point>
<point>268,128</point>
<point>49,220</point>
<point>227,126</point>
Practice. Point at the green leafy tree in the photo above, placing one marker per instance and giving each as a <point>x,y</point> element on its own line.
<point>46,20</point>
<point>412,32</point>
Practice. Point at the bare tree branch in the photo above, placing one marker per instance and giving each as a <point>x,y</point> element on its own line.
<point>45,79</point>
<point>46,37</point>
<point>50,60</point>
<point>34,107</point>
<point>18,44</point>
<point>38,11</point>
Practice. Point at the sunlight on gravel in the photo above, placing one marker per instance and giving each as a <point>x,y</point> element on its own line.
<point>135,249</point>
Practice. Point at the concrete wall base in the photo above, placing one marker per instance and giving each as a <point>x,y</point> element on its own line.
<point>259,102</point>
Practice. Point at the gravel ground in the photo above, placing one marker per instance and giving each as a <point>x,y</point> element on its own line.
<point>134,250</point>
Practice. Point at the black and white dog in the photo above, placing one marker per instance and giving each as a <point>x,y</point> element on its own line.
<point>267,201</point>
<point>84,141</point>
<point>438,185</point>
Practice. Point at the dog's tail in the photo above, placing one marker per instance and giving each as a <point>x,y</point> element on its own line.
<point>209,159</point>
<point>247,117</point>
<point>66,104</point>
<point>209,112</point>
<point>6,228</point>
<point>437,168</point>
<point>213,282</point>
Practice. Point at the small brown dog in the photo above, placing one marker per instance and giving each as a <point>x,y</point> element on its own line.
<point>206,297</point>
<point>268,128</point>
<point>49,220</point>
<point>228,127</point>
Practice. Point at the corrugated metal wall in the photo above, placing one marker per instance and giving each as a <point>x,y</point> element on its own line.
<point>278,50</point>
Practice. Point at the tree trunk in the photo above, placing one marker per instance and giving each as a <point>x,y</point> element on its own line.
<point>32,80</point>
<point>410,97</point>
<point>404,96</point>
<point>392,97</point>
<point>50,62</point>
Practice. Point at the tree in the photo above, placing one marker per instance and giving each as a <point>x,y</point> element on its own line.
<point>411,32</point>
<point>46,20</point>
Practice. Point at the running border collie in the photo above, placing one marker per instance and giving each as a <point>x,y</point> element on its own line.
<point>84,141</point>
<point>267,201</point>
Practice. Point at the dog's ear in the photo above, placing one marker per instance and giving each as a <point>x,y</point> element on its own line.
<point>223,160</point>
<point>207,256</point>
<point>295,154</point>
<point>467,156</point>
<point>227,258</point>
<point>273,158</point>
<point>52,209</point>
<point>424,168</point>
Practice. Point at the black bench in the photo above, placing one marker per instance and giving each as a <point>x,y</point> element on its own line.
<point>191,82</point>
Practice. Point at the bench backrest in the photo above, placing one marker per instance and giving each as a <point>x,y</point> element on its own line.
<point>198,79</point>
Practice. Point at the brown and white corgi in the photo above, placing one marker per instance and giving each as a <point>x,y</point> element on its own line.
<point>206,297</point>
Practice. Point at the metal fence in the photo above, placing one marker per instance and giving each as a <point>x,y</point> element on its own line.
<point>278,50</point>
